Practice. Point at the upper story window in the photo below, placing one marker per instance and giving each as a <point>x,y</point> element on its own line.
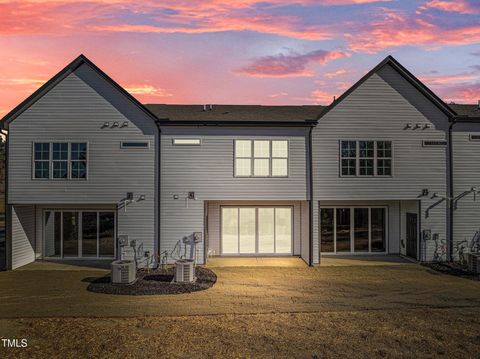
<point>261,158</point>
<point>60,160</point>
<point>366,158</point>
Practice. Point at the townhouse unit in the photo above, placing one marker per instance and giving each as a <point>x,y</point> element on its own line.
<point>94,174</point>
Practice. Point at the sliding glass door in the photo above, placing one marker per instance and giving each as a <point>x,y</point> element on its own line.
<point>79,234</point>
<point>256,230</point>
<point>353,229</point>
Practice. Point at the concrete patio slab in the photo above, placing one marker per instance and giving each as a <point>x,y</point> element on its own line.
<point>289,262</point>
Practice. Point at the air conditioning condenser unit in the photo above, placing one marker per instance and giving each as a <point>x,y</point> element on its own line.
<point>123,272</point>
<point>184,271</point>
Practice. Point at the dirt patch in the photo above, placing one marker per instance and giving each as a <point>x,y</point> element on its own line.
<point>154,282</point>
<point>455,269</point>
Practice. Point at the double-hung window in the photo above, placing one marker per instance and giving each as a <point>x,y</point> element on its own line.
<point>41,160</point>
<point>60,160</point>
<point>365,158</point>
<point>261,158</point>
<point>78,159</point>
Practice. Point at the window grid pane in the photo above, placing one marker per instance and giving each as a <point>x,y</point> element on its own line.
<point>60,162</point>
<point>261,167</point>
<point>261,149</point>
<point>243,148</point>
<point>279,167</point>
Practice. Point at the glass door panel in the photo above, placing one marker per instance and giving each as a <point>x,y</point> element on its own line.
<point>247,231</point>
<point>229,230</point>
<point>343,229</point>
<point>70,234</point>
<point>283,230</point>
<point>89,234</point>
<point>327,230</point>
<point>106,243</point>
<point>360,231</point>
<point>53,227</point>
<point>266,230</point>
<point>378,230</point>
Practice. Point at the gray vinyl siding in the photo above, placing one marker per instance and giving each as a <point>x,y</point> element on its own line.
<point>379,109</point>
<point>23,235</point>
<point>466,174</point>
<point>208,170</point>
<point>214,224</point>
<point>75,111</point>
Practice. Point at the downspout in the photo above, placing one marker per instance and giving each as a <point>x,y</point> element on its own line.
<point>310,184</point>
<point>159,195</point>
<point>450,193</point>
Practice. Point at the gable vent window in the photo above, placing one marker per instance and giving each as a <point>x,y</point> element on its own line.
<point>475,138</point>
<point>441,143</point>
<point>139,144</point>
<point>365,158</point>
<point>186,142</point>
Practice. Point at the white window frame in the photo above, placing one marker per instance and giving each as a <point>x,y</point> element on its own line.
<point>252,157</point>
<point>352,232</point>
<point>358,158</point>
<point>69,160</point>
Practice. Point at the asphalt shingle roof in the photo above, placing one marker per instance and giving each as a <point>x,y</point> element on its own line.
<point>466,110</point>
<point>235,113</point>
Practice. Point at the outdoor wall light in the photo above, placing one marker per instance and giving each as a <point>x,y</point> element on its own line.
<point>106,124</point>
<point>141,198</point>
<point>427,125</point>
<point>408,126</point>
<point>125,124</point>
<point>115,124</point>
<point>417,126</point>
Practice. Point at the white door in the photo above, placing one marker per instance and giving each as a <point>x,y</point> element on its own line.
<point>256,230</point>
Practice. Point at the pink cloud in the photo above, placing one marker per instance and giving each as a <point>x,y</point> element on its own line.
<point>149,90</point>
<point>291,65</point>
<point>463,93</point>
<point>437,79</point>
<point>460,6</point>
<point>335,73</point>
<point>396,29</point>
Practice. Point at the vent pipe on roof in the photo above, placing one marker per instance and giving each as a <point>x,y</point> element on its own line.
<point>204,108</point>
<point>210,107</point>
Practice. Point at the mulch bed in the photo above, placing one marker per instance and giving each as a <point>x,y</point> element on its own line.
<point>450,268</point>
<point>155,282</point>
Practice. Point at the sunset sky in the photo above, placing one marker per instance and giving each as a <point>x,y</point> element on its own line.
<point>240,51</point>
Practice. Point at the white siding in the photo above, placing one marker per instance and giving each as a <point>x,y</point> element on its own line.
<point>380,109</point>
<point>75,110</point>
<point>207,170</point>
<point>466,170</point>
<point>23,235</point>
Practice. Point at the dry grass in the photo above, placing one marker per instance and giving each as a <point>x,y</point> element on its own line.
<point>391,311</point>
<point>447,333</point>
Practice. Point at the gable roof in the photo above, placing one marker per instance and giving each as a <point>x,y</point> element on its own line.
<point>234,114</point>
<point>67,70</point>
<point>419,85</point>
